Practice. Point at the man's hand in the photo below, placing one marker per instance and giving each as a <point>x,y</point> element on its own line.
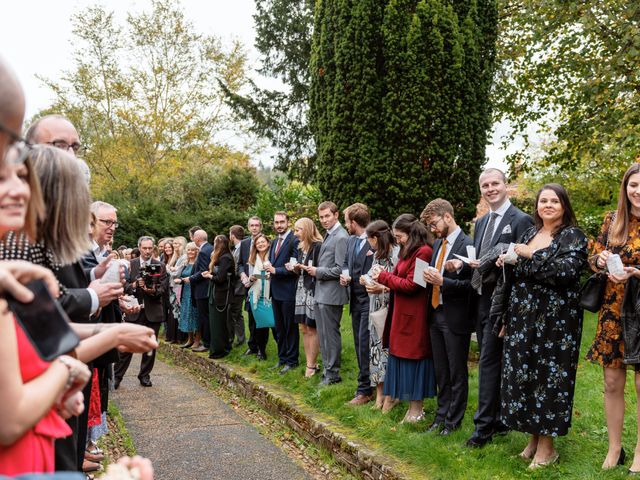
<point>102,267</point>
<point>312,271</point>
<point>135,338</point>
<point>14,274</point>
<point>107,292</point>
<point>127,310</point>
<point>474,263</point>
<point>72,406</point>
<point>453,265</point>
<point>432,276</point>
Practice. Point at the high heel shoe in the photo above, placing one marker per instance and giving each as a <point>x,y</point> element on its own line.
<point>413,418</point>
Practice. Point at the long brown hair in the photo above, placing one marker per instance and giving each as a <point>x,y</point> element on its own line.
<point>254,250</point>
<point>620,227</point>
<point>415,230</point>
<point>380,230</point>
<point>310,233</point>
<point>220,247</point>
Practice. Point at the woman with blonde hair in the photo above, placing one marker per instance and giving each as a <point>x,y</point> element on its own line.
<point>188,314</point>
<point>309,245</point>
<point>619,235</point>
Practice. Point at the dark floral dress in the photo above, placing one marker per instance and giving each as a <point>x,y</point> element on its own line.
<point>608,348</point>
<point>543,327</point>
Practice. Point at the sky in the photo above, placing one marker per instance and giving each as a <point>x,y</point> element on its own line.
<point>36,40</point>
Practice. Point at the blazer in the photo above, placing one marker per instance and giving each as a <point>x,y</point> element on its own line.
<point>109,313</point>
<point>308,281</point>
<point>283,282</point>
<point>358,263</point>
<point>329,267</point>
<point>517,222</point>
<point>221,284</point>
<point>408,331</point>
<point>153,310</point>
<point>245,251</point>
<point>457,294</point>
<point>74,296</point>
<point>199,284</point>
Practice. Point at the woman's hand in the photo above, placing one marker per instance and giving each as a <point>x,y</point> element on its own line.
<point>622,278</point>
<point>207,274</point>
<point>375,288</point>
<point>375,272</point>
<point>72,406</point>
<point>500,260</point>
<point>502,332</point>
<point>177,281</point>
<point>523,250</point>
<point>601,261</point>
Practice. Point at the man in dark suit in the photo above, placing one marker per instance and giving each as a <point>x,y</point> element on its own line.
<point>451,318</point>
<point>235,323</point>
<point>503,224</point>
<point>358,262</point>
<point>258,337</point>
<point>148,287</point>
<point>200,288</point>
<point>283,292</point>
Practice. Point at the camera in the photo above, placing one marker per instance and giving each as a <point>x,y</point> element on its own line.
<point>151,274</point>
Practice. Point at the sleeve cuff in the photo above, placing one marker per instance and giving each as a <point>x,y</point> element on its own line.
<point>95,303</point>
<point>92,275</point>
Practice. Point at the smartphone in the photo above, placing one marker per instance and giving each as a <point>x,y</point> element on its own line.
<point>45,323</point>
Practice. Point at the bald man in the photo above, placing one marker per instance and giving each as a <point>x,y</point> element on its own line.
<point>200,288</point>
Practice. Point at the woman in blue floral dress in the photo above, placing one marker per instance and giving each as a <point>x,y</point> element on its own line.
<point>543,326</point>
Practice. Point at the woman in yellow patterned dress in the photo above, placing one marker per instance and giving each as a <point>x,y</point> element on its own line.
<point>620,234</point>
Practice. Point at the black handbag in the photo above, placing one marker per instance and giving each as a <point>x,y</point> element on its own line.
<point>592,292</point>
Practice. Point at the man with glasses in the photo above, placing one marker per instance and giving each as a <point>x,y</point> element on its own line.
<point>57,131</point>
<point>452,317</point>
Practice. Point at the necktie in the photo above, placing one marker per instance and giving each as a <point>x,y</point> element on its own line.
<point>278,245</point>
<point>435,293</point>
<point>476,279</point>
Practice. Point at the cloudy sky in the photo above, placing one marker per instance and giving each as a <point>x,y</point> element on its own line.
<point>36,38</point>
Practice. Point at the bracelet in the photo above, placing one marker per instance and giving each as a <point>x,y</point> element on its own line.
<point>68,362</point>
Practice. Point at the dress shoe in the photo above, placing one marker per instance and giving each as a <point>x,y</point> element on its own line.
<point>446,431</point>
<point>116,383</point>
<point>146,382</point>
<point>360,399</point>
<point>89,466</point>
<point>545,463</point>
<point>325,382</point>
<point>199,349</point>
<point>187,345</point>
<point>218,355</point>
<point>478,442</point>
<point>287,368</point>
<point>261,356</point>
<point>436,427</point>
<point>250,352</point>
<point>96,458</point>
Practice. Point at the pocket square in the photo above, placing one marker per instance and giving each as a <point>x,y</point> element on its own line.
<point>369,253</point>
<point>506,229</point>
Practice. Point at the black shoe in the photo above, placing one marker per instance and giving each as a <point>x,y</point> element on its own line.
<point>446,431</point>
<point>622,457</point>
<point>237,344</point>
<point>287,368</point>
<point>478,442</point>
<point>250,352</point>
<point>330,381</point>
<point>261,356</point>
<point>146,382</point>
<point>435,427</point>
<point>218,355</point>
<point>116,383</point>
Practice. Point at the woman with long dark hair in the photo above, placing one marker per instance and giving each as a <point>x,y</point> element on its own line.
<point>410,371</point>
<point>221,273</point>
<point>543,326</point>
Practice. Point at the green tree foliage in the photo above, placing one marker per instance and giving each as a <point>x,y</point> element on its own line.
<point>146,100</point>
<point>399,101</point>
<point>571,67</point>
<point>283,38</point>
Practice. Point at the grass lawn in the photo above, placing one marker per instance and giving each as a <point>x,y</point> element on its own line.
<point>425,455</point>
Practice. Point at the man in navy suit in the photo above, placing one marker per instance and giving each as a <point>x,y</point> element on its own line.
<point>358,262</point>
<point>451,318</point>
<point>200,287</point>
<point>283,292</point>
<point>503,224</point>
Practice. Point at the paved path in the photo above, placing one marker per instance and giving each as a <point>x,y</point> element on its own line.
<point>190,434</point>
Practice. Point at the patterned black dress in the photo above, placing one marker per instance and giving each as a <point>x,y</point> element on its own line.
<point>543,327</point>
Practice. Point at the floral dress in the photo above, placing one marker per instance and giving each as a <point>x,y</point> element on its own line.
<point>543,327</point>
<point>608,348</point>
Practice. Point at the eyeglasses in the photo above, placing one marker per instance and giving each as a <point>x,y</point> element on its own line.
<point>18,144</point>
<point>62,145</point>
<point>109,223</point>
<point>434,225</point>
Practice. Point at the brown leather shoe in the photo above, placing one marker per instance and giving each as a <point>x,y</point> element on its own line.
<point>93,457</point>
<point>360,400</point>
<point>88,466</point>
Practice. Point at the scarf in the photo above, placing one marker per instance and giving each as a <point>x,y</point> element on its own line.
<point>256,290</point>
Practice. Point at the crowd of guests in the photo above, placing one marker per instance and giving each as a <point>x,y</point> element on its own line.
<point>416,289</point>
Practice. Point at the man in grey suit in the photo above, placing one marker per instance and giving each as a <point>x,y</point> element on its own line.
<point>330,296</point>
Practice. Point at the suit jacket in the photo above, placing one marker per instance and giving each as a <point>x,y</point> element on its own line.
<point>517,222</point>
<point>329,267</point>
<point>308,281</point>
<point>457,294</point>
<point>245,250</point>
<point>283,282</point>
<point>199,284</point>
<point>109,313</point>
<point>153,310</point>
<point>222,281</point>
<point>74,297</point>
<point>408,331</point>
<point>358,263</point>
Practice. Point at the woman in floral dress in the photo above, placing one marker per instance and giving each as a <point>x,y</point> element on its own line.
<point>620,234</point>
<point>543,326</point>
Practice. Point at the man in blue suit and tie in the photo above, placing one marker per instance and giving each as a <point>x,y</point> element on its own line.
<point>283,292</point>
